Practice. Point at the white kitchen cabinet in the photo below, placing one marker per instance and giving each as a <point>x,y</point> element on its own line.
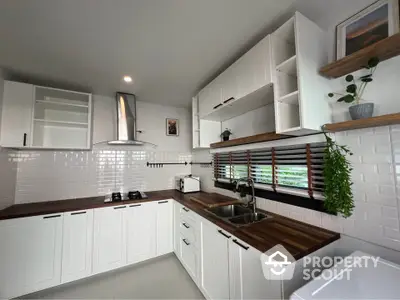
<point>16,118</point>
<point>214,280</point>
<point>204,132</point>
<point>177,222</point>
<point>245,86</point>
<point>210,98</point>
<point>164,226</point>
<point>45,118</point>
<point>298,54</point>
<point>247,280</point>
<point>30,257</point>
<point>189,256</point>
<point>140,222</point>
<point>77,245</point>
<point>109,243</point>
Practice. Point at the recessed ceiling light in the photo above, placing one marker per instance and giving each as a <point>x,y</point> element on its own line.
<point>128,79</point>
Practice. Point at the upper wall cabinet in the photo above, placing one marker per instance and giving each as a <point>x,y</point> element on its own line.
<point>45,118</point>
<point>298,54</point>
<point>244,86</point>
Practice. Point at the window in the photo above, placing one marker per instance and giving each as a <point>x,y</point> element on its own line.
<point>297,167</point>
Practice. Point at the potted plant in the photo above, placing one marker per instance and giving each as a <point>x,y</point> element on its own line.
<point>337,179</point>
<point>225,135</point>
<point>355,92</point>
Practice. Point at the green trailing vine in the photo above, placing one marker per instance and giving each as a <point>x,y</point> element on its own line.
<point>337,179</point>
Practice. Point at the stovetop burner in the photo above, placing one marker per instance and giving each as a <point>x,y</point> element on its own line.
<point>132,195</point>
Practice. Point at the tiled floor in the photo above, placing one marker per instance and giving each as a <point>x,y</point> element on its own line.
<point>161,278</point>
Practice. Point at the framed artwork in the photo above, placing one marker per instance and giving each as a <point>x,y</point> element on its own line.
<point>172,127</point>
<point>371,25</point>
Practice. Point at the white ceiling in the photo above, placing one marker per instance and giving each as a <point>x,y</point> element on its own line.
<point>171,48</point>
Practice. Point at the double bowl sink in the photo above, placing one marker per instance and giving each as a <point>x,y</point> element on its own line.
<point>237,214</point>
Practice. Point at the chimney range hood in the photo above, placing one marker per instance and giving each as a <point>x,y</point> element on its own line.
<point>126,120</point>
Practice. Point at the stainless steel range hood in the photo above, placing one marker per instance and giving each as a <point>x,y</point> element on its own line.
<point>126,120</point>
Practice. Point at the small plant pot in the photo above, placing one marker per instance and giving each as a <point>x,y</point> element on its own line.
<point>225,138</point>
<point>361,111</point>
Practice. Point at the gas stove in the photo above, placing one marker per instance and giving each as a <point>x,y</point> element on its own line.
<point>133,195</point>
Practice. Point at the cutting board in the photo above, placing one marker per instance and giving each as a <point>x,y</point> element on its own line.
<point>213,200</point>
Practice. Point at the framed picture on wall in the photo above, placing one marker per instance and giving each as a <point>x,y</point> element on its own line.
<point>172,127</point>
<point>371,25</point>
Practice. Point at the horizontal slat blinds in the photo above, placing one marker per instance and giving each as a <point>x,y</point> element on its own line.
<point>299,167</point>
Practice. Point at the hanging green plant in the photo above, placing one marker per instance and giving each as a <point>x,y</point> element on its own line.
<point>337,179</point>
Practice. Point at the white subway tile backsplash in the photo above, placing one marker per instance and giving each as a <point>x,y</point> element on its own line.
<point>48,175</point>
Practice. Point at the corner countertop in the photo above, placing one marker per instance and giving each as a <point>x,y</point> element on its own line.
<point>298,238</point>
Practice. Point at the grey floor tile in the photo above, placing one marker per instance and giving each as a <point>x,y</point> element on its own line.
<point>160,278</point>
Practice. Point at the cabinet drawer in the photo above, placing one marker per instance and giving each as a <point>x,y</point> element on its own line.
<point>186,213</point>
<point>189,257</point>
<point>187,231</point>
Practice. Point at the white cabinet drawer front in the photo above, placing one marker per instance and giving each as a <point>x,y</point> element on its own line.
<point>189,257</point>
<point>77,245</point>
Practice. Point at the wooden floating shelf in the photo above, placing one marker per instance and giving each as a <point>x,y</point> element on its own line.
<point>263,137</point>
<point>385,49</point>
<point>364,123</point>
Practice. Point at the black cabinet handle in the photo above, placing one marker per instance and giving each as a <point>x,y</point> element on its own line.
<point>185,225</point>
<point>230,99</point>
<point>119,207</point>
<point>51,217</point>
<point>135,205</point>
<point>186,242</point>
<point>243,246</point>
<point>185,209</point>
<point>161,202</point>
<point>25,136</point>
<point>216,106</point>
<point>224,234</point>
<point>78,213</point>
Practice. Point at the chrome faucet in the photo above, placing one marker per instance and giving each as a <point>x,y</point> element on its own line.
<point>250,182</point>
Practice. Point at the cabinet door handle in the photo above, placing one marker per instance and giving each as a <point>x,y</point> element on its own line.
<point>185,225</point>
<point>135,205</point>
<point>78,213</point>
<point>216,106</point>
<point>230,99</point>
<point>162,202</point>
<point>119,207</point>
<point>185,209</point>
<point>186,242</point>
<point>25,136</point>
<point>51,217</point>
<point>243,246</point>
<point>224,234</point>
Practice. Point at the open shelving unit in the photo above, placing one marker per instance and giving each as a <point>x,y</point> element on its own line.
<point>385,49</point>
<point>286,88</point>
<point>378,121</point>
<point>61,119</point>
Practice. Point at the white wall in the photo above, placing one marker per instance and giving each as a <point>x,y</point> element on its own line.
<point>56,175</point>
<point>8,171</point>
<point>253,122</point>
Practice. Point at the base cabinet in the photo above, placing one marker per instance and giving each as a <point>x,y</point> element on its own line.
<point>164,227</point>
<point>214,262</point>
<point>77,245</point>
<point>30,257</point>
<point>246,276</point>
<point>109,243</point>
<point>140,222</point>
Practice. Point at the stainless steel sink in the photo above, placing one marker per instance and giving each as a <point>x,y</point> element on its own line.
<point>229,211</point>
<point>248,218</point>
<point>237,214</point>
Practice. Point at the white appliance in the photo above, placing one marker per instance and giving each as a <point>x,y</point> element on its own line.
<point>187,183</point>
<point>370,281</point>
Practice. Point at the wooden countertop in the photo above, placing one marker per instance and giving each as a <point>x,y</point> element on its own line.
<point>298,238</point>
